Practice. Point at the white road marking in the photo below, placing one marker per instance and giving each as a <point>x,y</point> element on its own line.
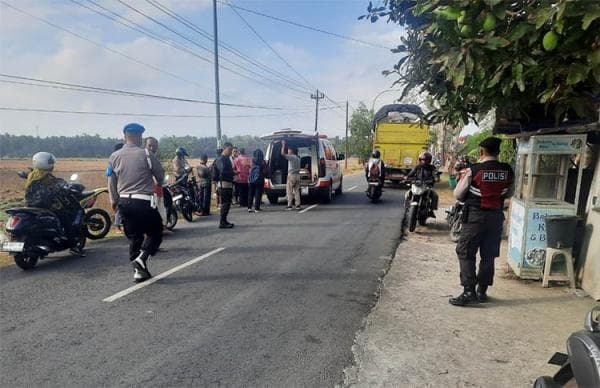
<point>156,278</point>
<point>352,188</point>
<point>308,208</point>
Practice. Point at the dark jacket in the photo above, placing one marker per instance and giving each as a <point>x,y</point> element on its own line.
<point>49,193</point>
<point>222,169</point>
<point>425,173</point>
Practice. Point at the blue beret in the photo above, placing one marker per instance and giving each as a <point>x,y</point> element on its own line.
<point>134,128</point>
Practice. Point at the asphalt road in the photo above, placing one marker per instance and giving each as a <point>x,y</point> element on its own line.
<point>278,306</point>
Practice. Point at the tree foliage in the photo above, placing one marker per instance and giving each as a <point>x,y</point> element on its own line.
<point>471,147</point>
<point>87,146</point>
<point>530,59</point>
<point>361,139</point>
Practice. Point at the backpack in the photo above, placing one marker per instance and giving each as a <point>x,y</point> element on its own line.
<point>374,172</point>
<point>255,174</point>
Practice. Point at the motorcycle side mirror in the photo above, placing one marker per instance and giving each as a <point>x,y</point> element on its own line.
<point>74,177</point>
<point>22,174</point>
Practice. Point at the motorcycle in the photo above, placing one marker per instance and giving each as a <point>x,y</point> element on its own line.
<point>581,366</point>
<point>374,190</point>
<point>170,210</point>
<point>419,204</point>
<point>97,221</point>
<point>454,219</point>
<point>34,233</point>
<point>186,196</point>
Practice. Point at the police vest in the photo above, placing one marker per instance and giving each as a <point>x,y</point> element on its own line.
<point>490,182</point>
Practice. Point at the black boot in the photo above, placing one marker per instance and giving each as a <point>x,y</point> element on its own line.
<point>468,297</point>
<point>482,293</point>
<point>140,268</point>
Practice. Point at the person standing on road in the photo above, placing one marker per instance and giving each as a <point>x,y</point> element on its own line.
<point>235,153</point>
<point>222,174</point>
<point>256,181</point>
<point>151,146</point>
<point>130,187</point>
<point>242,165</point>
<point>204,183</point>
<point>293,177</point>
<point>484,188</point>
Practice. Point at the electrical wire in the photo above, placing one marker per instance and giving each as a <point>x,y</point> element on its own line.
<point>221,43</point>
<point>155,68</point>
<point>79,87</point>
<point>308,27</point>
<point>195,43</point>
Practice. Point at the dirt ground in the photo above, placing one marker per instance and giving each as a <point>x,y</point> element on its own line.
<point>415,338</point>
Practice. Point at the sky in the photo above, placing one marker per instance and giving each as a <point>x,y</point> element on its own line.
<point>342,69</point>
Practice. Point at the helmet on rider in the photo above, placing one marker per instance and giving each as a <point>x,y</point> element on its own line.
<point>43,161</point>
<point>376,154</point>
<point>181,152</point>
<point>425,157</point>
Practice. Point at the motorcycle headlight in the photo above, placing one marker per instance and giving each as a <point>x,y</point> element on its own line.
<point>416,190</point>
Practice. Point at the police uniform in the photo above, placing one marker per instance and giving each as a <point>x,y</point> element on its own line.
<point>483,189</point>
<point>131,187</point>
<point>222,175</point>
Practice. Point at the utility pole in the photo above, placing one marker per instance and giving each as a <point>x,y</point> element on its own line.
<point>217,96</point>
<point>317,96</point>
<point>346,145</point>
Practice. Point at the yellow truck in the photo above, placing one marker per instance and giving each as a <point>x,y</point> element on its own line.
<point>400,136</point>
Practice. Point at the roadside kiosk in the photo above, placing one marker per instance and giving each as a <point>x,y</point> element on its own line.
<point>543,163</point>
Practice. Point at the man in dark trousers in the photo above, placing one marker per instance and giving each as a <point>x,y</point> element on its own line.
<point>484,188</point>
<point>222,175</point>
<point>131,193</point>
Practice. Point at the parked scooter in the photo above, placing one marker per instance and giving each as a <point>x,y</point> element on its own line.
<point>581,366</point>
<point>34,232</point>
<point>97,221</point>
<point>454,218</point>
<point>419,207</point>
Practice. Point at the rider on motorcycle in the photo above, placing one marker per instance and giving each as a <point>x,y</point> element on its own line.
<point>375,170</point>
<point>180,164</point>
<point>44,190</point>
<point>425,172</point>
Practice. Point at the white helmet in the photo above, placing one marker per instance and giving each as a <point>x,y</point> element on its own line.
<point>44,161</point>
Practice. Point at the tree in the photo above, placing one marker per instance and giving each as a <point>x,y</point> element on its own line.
<point>471,146</point>
<point>361,130</point>
<point>530,59</point>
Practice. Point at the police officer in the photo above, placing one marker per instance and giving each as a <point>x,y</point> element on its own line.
<point>483,189</point>
<point>131,187</point>
<point>222,175</point>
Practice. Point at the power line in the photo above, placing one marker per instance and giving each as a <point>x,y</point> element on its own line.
<point>195,43</point>
<point>307,27</point>
<point>79,87</point>
<point>222,44</point>
<point>155,68</point>
<point>233,8</point>
<point>96,113</point>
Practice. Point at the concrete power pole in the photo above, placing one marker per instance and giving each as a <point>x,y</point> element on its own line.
<point>346,142</point>
<point>317,96</point>
<point>217,96</point>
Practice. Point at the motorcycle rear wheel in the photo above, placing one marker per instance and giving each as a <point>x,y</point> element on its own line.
<point>97,223</point>
<point>187,213</point>
<point>25,261</point>
<point>171,218</point>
